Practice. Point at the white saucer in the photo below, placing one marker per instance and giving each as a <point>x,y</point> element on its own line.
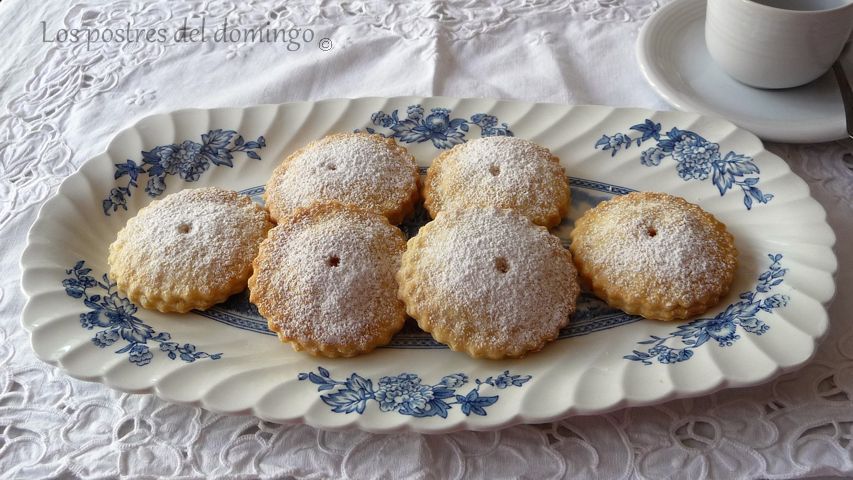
<point>673,57</point>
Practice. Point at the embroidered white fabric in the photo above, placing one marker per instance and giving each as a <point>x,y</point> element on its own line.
<point>60,103</point>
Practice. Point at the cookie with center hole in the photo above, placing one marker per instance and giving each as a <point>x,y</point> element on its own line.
<point>369,171</point>
<point>488,282</point>
<point>655,255</point>
<point>502,172</point>
<point>190,250</point>
<point>324,280</point>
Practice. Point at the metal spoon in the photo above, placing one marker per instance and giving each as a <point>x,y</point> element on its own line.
<point>846,95</point>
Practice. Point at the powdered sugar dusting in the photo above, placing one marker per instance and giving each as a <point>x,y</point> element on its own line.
<point>357,169</point>
<point>494,277</point>
<point>654,246</point>
<point>506,172</point>
<point>329,279</point>
<point>197,240</point>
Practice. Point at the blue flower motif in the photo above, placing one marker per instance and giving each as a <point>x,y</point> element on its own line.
<point>94,318</point>
<point>505,380</point>
<point>618,140</point>
<point>414,111</point>
<point>502,381</point>
<point>156,186</point>
<point>407,395</point>
<point>437,127</point>
<point>723,328</point>
<point>696,159</point>
<point>352,398</point>
<point>775,301</point>
<point>188,351</point>
<point>161,160</point>
<point>754,325</point>
<point>115,318</point>
<point>486,122</point>
<point>185,160</point>
<point>140,355</point>
<point>117,198</point>
<point>380,118</point>
<point>652,157</point>
<point>107,311</point>
<point>76,286</point>
<point>118,308</point>
<point>402,393</point>
<point>105,338</point>
<point>669,355</point>
<point>440,129</point>
<point>455,380</point>
<point>188,159</point>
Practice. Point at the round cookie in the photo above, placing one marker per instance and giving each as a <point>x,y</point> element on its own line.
<point>655,255</point>
<point>499,171</point>
<point>369,171</point>
<point>324,280</point>
<point>190,250</point>
<point>488,282</point>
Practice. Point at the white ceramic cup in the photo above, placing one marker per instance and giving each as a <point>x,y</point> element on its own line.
<point>777,43</point>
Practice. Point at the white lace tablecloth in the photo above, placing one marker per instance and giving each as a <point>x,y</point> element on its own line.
<point>61,102</point>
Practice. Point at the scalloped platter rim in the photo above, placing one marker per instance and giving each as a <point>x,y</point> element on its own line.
<point>225,360</point>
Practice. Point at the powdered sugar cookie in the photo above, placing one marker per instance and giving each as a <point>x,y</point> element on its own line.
<point>324,280</point>
<point>503,172</point>
<point>192,249</point>
<point>655,255</point>
<point>488,282</point>
<point>368,171</point>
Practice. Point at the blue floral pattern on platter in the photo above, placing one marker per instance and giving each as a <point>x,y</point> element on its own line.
<point>591,315</point>
<point>113,316</point>
<point>189,160</point>
<point>723,328</point>
<point>406,395</point>
<point>437,126</point>
<point>696,159</point>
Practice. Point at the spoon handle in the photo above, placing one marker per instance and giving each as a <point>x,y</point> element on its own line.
<point>846,96</point>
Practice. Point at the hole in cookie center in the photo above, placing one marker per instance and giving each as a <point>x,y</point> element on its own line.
<point>184,228</point>
<point>651,231</point>
<point>501,264</point>
<point>333,260</point>
<point>495,170</point>
<point>331,166</point>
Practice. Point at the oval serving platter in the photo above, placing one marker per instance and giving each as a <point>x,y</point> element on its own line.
<point>225,359</point>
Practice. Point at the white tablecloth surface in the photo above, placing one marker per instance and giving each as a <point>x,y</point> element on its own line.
<point>60,103</point>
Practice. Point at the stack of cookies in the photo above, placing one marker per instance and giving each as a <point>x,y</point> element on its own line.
<point>485,276</point>
<point>335,277</point>
<point>325,276</point>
